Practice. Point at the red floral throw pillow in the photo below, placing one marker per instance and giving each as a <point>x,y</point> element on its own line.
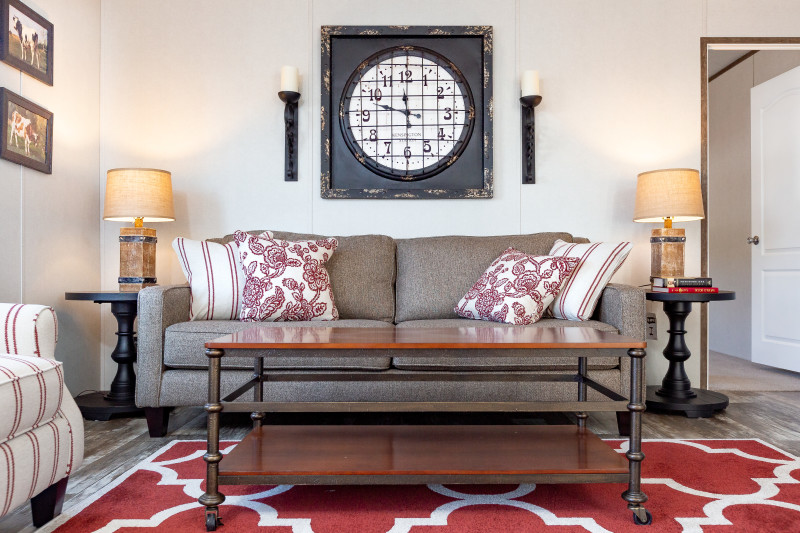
<point>285,281</point>
<point>516,288</point>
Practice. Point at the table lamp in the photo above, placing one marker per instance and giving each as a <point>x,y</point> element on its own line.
<point>669,195</point>
<point>138,195</point>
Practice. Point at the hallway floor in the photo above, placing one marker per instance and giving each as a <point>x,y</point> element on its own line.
<point>731,373</point>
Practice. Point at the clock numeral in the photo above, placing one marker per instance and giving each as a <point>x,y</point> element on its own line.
<point>425,80</point>
<point>447,115</point>
<point>373,135</point>
<point>407,152</point>
<point>441,133</point>
<point>440,92</point>
<point>365,115</point>
<point>426,146</point>
<point>388,146</point>
<point>407,77</point>
<point>384,80</point>
<point>375,95</point>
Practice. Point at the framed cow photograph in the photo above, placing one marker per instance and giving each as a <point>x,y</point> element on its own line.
<point>27,132</point>
<point>27,43</point>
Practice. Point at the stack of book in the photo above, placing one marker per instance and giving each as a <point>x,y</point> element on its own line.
<point>683,285</point>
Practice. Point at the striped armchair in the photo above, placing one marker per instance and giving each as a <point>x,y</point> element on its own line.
<point>41,429</point>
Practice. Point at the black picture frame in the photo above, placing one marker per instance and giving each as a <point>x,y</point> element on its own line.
<point>344,49</point>
<point>11,50</point>
<point>39,137</point>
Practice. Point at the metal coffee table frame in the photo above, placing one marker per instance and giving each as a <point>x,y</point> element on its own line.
<point>634,496</point>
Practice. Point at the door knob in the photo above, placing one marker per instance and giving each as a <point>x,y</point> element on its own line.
<point>753,240</point>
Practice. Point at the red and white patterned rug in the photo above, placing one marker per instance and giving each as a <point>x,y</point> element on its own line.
<point>693,485</point>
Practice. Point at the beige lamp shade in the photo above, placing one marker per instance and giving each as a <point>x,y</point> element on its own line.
<point>670,193</point>
<point>133,193</point>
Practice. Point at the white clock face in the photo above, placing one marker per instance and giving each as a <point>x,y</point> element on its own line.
<point>407,113</point>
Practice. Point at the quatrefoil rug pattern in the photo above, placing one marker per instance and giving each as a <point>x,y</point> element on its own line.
<point>694,485</point>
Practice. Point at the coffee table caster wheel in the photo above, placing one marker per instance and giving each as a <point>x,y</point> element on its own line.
<point>212,520</point>
<point>642,517</point>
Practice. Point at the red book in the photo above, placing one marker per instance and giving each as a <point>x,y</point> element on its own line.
<point>687,290</point>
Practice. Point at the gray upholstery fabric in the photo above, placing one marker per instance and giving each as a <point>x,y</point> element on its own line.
<point>362,272</point>
<point>624,307</point>
<point>187,387</point>
<point>183,347</point>
<point>159,308</point>
<point>434,273</point>
<point>498,360</point>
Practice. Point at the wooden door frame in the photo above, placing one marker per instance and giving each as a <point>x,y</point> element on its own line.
<point>706,44</point>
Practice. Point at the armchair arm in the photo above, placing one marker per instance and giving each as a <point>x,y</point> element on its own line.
<point>624,307</point>
<point>28,330</point>
<point>159,308</point>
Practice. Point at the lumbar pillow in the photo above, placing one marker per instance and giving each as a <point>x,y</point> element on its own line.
<point>284,280</point>
<point>215,276</point>
<point>516,288</point>
<point>597,263</point>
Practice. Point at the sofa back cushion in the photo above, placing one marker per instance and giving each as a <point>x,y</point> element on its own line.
<point>362,273</point>
<point>433,273</point>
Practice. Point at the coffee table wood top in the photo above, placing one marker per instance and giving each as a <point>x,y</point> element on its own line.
<point>335,338</point>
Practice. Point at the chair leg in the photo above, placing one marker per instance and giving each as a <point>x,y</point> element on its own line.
<point>157,420</point>
<point>624,423</point>
<point>47,504</point>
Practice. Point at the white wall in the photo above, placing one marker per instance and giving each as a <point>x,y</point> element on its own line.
<point>621,88</point>
<point>50,223</point>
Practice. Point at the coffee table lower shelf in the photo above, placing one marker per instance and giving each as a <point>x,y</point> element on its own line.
<point>449,454</point>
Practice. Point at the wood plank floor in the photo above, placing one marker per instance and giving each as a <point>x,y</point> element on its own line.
<point>115,446</point>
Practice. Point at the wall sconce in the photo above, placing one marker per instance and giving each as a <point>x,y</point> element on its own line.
<point>529,98</point>
<point>290,94</point>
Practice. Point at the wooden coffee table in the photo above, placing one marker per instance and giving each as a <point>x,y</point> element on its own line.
<point>353,455</point>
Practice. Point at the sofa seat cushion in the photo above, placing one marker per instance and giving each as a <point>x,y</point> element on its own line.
<point>433,273</point>
<point>31,390</point>
<point>500,360</point>
<point>184,347</point>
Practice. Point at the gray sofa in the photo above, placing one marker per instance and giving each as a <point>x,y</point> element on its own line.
<point>378,282</point>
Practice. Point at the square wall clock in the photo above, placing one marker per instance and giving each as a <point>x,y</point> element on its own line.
<point>406,112</point>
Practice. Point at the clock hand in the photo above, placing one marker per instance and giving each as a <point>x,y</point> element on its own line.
<point>390,108</point>
<point>407,112</point>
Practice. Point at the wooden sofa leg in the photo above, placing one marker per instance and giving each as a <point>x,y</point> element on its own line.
<point>47,504</point>
<point>624,423</point>
<point>157,420</point>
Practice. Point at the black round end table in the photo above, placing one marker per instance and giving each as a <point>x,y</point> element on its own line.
<point>120,398</point>
<point>676,395</point>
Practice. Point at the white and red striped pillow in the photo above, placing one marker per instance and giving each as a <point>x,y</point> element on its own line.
<point>215,275</point>
<point>597,263</point>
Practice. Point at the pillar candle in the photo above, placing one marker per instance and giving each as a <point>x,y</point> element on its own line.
<point>529,83</point>
<point>290,79</point>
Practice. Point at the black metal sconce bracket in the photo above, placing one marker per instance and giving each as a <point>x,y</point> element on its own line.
<point>290,98</point>
<point>528,138</point>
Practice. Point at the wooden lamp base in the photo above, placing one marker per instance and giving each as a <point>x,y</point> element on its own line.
<point>137,258</point>
<point>667,247</point>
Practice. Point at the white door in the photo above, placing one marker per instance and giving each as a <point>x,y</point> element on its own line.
<point>775,187</point>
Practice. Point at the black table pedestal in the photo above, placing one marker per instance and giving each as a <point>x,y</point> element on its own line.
<point>676,395</point>
<point>120,398</point>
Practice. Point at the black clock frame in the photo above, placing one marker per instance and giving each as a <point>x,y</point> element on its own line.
<point>345,51</point>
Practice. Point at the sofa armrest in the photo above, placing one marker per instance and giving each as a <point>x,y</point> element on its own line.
<point>27,329</point>
<point>624,307</point>
<point>159,308</point>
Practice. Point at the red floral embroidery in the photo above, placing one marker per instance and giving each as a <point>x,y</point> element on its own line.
<point>285,281</point>
<point>516,288</point>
